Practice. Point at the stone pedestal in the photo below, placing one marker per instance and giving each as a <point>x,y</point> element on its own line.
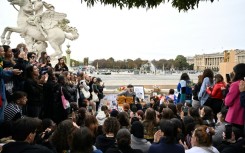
<point>68,57</point>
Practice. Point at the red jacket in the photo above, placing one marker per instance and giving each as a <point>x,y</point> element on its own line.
<point>216,92</point>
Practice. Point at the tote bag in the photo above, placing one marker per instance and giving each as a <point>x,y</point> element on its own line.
<point>65,102</point>
<point>95,97</point>
<point>86,94</point>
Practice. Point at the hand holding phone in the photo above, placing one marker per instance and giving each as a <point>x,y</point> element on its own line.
<point>228,131</point>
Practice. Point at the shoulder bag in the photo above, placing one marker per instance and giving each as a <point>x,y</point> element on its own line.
<point>65,102</point>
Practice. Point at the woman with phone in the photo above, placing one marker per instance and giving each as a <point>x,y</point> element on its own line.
<point>235,114</point>
<point>216,96</point>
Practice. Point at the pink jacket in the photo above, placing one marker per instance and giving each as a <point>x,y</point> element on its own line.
<point>235,113</point>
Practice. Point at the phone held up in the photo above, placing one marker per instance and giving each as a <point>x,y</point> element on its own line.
<point>228,131</point>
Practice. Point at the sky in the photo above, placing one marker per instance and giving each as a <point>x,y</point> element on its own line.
<point>159,33</point>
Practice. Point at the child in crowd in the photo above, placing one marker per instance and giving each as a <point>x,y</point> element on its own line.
<point>13,110</point>
<point>171,96</point>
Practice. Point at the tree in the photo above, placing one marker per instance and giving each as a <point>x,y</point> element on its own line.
<point>169,64</point>
<point>181,5</point>
<point>180,62</point>
<point>191,67</point>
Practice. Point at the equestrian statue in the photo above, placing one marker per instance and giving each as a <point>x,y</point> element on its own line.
<point>38,26</point>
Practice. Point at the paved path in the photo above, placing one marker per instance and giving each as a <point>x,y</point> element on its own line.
<point>116,80</point>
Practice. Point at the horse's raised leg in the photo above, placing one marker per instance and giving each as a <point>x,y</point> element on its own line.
<point>8,38</point>
<point>10,30</point>
<point>57,48</point>
<point>3,35</point>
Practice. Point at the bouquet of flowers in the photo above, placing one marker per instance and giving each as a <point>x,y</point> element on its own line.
<point>122,88</point>
<point>156,89</point>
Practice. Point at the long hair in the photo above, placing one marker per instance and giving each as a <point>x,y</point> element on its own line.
<point>208,73</point>
<point>239,70</point>
<point>29,72</point>
<point>42,58</point>
<point>184,76</point>
<point>219,78</point>
<point>60,135</point>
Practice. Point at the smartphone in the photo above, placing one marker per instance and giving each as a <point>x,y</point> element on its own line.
<point>228,78</point>
<point>185,109</point>
<point>228,131</point>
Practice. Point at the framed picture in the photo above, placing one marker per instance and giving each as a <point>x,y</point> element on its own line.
<point>110,100</point>
<point>139,92</point>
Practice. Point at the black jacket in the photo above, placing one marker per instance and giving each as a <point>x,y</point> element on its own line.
<point>123,150</point>
<point>103,142</point>
<point>24,147</point>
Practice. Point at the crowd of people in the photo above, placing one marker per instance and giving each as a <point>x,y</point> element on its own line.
<point>206,117</point>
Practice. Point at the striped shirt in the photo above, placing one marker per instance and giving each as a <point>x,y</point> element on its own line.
<point>12,112</point>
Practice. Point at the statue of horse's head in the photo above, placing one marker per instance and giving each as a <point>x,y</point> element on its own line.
<point>19,2</point>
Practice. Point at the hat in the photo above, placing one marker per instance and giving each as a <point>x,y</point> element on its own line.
<point>101,117</point>
<point>137,129</point>
<point>114,113</point>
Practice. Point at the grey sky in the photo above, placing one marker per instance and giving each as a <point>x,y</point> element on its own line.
<point>149,34</point>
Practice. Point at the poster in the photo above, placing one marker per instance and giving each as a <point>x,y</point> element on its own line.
<point>139,92</point>
<point>110,100</point>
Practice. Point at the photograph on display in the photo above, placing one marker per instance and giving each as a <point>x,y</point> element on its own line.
<point>110,100</point>
<point>139,92</point>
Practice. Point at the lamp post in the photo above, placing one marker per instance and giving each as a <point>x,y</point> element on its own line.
<point>68,53</point>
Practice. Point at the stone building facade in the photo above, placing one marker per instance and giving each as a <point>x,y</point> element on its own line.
<point>213,61</point>
<point>190,60</point>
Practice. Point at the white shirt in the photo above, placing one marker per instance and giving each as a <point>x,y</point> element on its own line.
<point>202,150</point>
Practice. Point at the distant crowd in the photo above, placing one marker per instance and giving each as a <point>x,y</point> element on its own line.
<point>49,109</point>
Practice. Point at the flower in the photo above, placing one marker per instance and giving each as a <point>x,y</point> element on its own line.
<point>121,88</point>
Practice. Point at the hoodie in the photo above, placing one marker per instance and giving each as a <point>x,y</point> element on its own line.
<point>101,117</point>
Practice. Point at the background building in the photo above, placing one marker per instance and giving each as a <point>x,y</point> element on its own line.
<point>213,61</point>
<point>190,60</point>
<point>205,61</point>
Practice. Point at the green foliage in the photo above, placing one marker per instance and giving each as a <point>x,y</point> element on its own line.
<point>180,63</point>
<point>181,5</point>
<point>191,67</point>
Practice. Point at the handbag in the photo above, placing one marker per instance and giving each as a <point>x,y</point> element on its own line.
<point>95,97</point>
<point>65,102</point>
<point>86,94</point>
